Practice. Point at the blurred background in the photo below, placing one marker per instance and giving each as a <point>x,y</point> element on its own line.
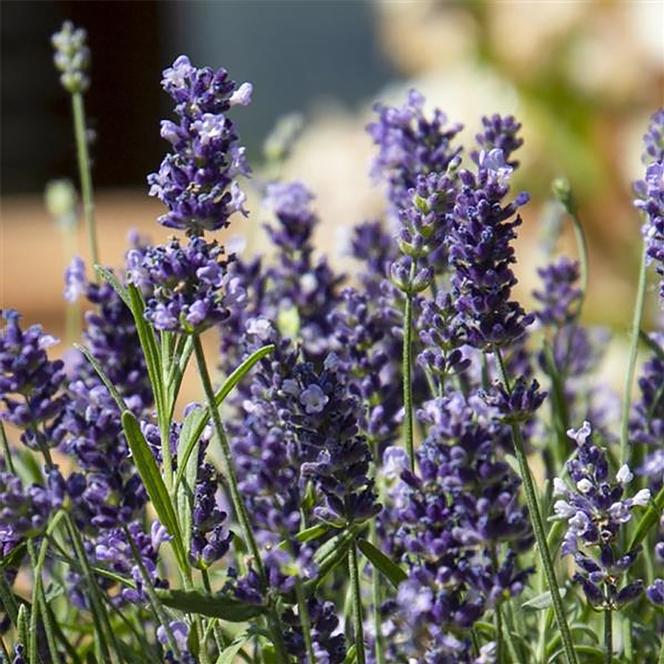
<point>583,77</point>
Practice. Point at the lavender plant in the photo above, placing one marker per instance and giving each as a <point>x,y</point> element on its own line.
<point>394,466</point>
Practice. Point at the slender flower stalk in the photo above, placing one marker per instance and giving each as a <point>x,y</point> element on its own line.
<point>608,636</point>
<point>305,621</point>
<point>562,190</point>
<point>227,458</point>
<point>72,59</point>
<point>236,498</point>
<point>408,379</point>
<point>538,527</point>
<point>152,596</point>
<point>85,174</point>
<point>379,648</point>
<point>639,304</point>
<point>358,629</point>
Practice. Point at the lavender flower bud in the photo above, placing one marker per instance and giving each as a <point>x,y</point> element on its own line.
<point>72,57</point>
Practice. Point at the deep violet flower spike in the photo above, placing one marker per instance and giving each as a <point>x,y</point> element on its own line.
<point>650,196</point>
<point>196,181</point>
<point>653,139</point>
<point>72,57</point>
<point>25,511</point>
<point>560,295</point>
<point>410,144</point>
<point>30,384</point>
<point>499,132</point>
<point>647,422</point>
<point>596,509</point>
<point>190,284</point>
<point>481,252</point>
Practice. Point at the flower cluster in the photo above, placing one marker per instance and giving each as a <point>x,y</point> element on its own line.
<point>30,384</point>
<point>410,144</point>
<point>189,285</point>
<point>25,511</point>
<point>650,192</point>
<point>114,549</point>
<point>362,341</point>
<point>72,57</point>
<point>596,511</point>
<point>559,295</point>
<point>481,255</point>
<point>453,516</point>
<point>196,181</point>
<point>316,496</point>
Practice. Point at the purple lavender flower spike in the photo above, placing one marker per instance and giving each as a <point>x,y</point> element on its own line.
<point>191,286</point>
<point>210,538</point>
<point>650,193</point>
<point>180,632</point>
<point>647,422</point>
<point>499,132</point>
<point>364,344</point>
<point>655,592</point>
<point>410,145</point>
<point>30,384</point>
<point>111,549</point>
<point>25,511</point>
<point>596,510</point>
<point>654,138</point>
<point>519,404</point>
<point>450,518</point>
<point>197,180</point>
<point>559,295</point>
<point>481,254</point>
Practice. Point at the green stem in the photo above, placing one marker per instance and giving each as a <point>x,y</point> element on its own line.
<point>216,628</point>
<point>357,603</point>
<point>631,366</point>
<point>406,370</point>
<point>85,173</point>
<point>33,648</point>
<point>227,459</point>
<point>515,653</point>
<point>660,660</point>
<point>376,600</point>
<point>155,604</point>
<point>582,245</point>
<point>498,622</point>
<point>539,530</point>
<point>608,637</point>
<point>305,622</point>
<point>238,504</point>
<point>102,625</point>
<point>6,449</point>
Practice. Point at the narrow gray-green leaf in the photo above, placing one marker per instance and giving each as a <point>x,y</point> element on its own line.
<point>109,277</point>
<point>148,343</point>
<point>154,484</point>
<point>541,601</point>
<point>228,655</point>
<point>351,655</point>
<point>102,375</point>
<point>652,344</point>
<point>312,533</point>
<point>214,606</point>
<point>184,491</point>
<point>203,415</point>
<point>388,568</point>
<point>590,653</point>
<point>329,556</point>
